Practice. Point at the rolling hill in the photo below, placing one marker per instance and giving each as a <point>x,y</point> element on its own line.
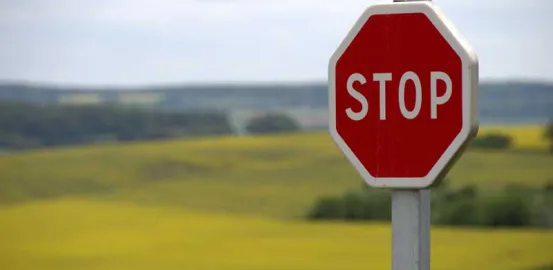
<point>277,176</point>
<point>234,203</point>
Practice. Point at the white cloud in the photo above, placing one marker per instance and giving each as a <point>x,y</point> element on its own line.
<point>139,41</point>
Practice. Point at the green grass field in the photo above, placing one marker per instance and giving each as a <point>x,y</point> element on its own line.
<point>234,203</point>
<point>277,176</point>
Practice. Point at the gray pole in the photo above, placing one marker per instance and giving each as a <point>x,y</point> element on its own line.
<point>410,226</point>
<point>411,229</point>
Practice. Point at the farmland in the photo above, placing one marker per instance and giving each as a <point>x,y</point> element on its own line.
<point>91,234</point>
<point>235,203</point>
<point>278,176</point>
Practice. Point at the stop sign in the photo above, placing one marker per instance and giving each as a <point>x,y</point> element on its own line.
<point>402,95</point>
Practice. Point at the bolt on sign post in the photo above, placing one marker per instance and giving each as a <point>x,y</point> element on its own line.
<point>402,108</point>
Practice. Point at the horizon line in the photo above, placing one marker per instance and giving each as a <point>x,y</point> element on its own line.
<point>286,83</point>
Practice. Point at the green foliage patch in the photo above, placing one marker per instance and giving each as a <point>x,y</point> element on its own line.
<point>511,206</point>
<point>24,126</point>
<point>272,123</point>
<point>492,141</point>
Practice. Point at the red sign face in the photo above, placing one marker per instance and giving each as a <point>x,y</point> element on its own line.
<point>402,95</point>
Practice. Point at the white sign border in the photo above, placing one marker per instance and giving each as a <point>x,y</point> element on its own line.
<point>469,96</point>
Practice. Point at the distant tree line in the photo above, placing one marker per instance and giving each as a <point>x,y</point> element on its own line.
<point>25,125</point>
<point>513,206</point>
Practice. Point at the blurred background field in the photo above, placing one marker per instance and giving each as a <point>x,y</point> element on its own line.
<point>125,186</point>
<point>272,175</point>
<point>94,234</point>
<point>237,203</point>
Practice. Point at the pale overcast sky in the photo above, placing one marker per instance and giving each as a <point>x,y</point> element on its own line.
<point>133,42</point>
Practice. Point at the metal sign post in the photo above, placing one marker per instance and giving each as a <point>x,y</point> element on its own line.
<point>411,229</point>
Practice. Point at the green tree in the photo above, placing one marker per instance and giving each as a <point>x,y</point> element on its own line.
<point>492,141</point>
<point>272,123</point>
<point>549,135</point>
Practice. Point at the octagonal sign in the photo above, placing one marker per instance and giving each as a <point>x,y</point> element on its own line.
<point>403,95</point>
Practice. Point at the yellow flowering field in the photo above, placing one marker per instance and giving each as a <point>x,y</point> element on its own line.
<point>91,234</point>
